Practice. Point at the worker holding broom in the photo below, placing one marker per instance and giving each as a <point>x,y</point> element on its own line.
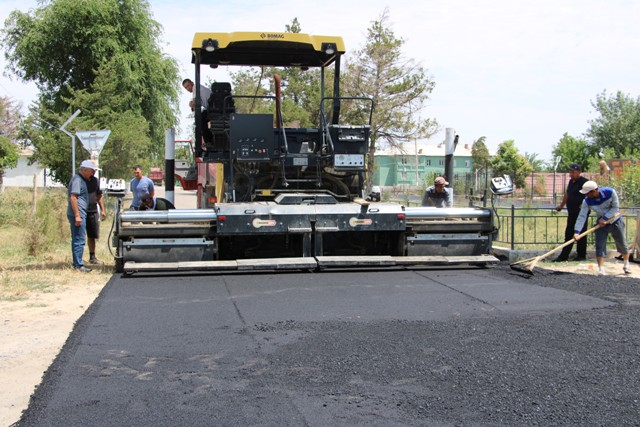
<point>605,203</point>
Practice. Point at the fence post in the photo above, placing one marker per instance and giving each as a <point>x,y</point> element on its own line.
<point>533,175</point>
<point>35,194</point>
<point>513,227</point>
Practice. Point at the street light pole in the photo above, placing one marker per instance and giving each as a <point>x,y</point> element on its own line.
<point>415,141</point>
<point>73,141</point>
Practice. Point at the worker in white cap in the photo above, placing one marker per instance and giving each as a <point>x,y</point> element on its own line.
<point>78,203</point>
<point>605,204</point>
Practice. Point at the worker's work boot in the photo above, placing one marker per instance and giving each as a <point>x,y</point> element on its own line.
<point>83,269</point>
<point>95,261</point>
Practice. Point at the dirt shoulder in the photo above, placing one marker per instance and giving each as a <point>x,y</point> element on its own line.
<point>613,267</point>
<point>33,332</point>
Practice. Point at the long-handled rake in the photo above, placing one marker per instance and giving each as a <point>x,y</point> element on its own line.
<point>527,265</point>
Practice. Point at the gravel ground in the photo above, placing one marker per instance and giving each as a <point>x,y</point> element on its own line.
<point>572,368</point>
<point>496,369</point>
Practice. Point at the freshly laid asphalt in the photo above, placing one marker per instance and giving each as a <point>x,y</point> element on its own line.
<point>405,347</point>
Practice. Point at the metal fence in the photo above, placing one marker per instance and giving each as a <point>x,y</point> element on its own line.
<point>532,228</point>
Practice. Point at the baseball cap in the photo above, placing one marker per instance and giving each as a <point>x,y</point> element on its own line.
<point>440,181</point>
<point>588,186</point>
<point>575,167</point>
<point>88,164</point>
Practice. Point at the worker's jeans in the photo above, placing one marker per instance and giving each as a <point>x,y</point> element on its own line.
<point>78,239</point>
<point>616,229</point>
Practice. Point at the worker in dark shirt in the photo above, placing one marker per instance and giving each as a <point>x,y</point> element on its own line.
<point>437,195</point>
<point>95,213</point>
<point>155,203</point>
<point>573,200</point>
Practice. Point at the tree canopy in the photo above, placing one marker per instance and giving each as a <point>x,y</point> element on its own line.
<point>300,90</point>
<point>103,57</point>
<point>399,88</point>
<point>573,150</point>
<point>618,127</point>
<point>509,161</point>
<point>9,125</point>
<point>480,153</point>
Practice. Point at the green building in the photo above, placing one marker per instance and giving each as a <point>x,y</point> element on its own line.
<point>417,162</point>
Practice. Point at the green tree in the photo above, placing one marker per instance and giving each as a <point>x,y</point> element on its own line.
<point>480,153</point>
<point>618,127</point>
<point>629,185</point>
<point>537,165</point>
<point>300,90</point>
<point>509,161</point>
<point>399,88</point>
<point>9,125</point>
<point>9,154</point>
<point>251,82</point>
<point>67,46</point>
<point>573,150</point>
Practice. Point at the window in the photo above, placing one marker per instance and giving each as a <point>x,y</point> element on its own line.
<point>427,162</point>
<point>441,162</point>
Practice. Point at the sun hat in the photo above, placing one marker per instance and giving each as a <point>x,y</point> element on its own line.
<point>588,186</point>
<point>88,164</point>
<point>440,181</point>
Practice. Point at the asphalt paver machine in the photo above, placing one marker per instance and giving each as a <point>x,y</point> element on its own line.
<point>274,195</point>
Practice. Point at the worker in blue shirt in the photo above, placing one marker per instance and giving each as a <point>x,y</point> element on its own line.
<point>605,203</point>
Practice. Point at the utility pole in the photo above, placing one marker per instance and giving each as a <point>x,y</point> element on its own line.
<point>415,141</point>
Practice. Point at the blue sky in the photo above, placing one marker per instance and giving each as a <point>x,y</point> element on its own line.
<point>523,70</point>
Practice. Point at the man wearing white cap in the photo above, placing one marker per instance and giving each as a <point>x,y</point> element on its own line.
<point>77,212</point>
<point>605,203</point>
<point>437,195</point>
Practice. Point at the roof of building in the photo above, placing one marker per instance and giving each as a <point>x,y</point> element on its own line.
<point>424,149</point>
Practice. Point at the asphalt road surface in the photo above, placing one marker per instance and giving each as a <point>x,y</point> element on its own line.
<point>382,348</point>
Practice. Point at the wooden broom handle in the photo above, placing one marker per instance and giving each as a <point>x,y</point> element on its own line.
<point>580,236</point>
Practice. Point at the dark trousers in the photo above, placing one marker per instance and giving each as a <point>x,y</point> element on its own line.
<point>581,246</point>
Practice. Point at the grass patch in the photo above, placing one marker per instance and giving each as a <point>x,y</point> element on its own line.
<point>35,256</point>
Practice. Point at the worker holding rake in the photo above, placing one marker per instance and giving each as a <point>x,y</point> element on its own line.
<point>605,203</point>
